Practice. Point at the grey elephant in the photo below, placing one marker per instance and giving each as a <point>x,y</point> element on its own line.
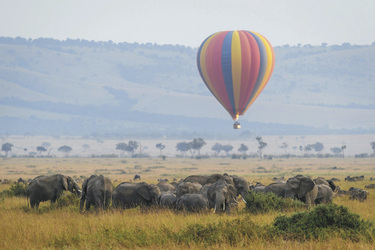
<point>221,196</point>
<point>202,179</point>
<point>165,187</point>
<point>96,191</point>
<point>242,186</point>
<point>187,188</point>
<point>167,200</point>
<point>322,180</point>
<point>325,194</point>
<point>302,188</point>
<point>130,195</point>
<point>192,203</point>
<point>259,188</point>
<point>277,188</point>
<point>50,187</point>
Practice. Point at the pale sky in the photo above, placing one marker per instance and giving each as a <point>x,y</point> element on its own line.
<point>189,22</point>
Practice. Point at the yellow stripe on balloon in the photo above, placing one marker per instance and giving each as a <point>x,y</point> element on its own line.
<point>236,68</point>
<point>269,68</point>
<point>204,69</point>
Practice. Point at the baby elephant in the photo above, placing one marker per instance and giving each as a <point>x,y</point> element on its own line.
<point>96,191</point>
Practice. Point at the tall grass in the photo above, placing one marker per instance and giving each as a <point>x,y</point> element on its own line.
<point>63,226</point>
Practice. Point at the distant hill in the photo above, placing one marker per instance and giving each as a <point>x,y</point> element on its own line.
<point>80,87</point>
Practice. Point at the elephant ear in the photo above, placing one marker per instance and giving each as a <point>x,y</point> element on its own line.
<point>306,185</point>
<point>143,191</point>
<point>64,182</point>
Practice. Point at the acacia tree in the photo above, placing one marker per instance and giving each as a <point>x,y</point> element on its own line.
<point>261,146</point>
<point>129,147</point>
<point>183,147</point>
<point>373,146</point>
<point>243,148</point>
<point>6,147</point>
<point>197,144</point>
<point>41,149</point>
<point>217,148</point>
<point>66,149</point>
<point>227,148</point>
<point>160,147</point>
<point>284,146</point>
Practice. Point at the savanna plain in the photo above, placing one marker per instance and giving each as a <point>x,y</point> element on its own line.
<point>63,226</point>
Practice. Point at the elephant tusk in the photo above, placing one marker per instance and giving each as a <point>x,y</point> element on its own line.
<point>223,206</point>
<point>244,200</point>
<point>215,208</point>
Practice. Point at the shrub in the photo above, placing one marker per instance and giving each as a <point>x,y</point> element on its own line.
<point>15,190</point>
<point>67,200</point>
<point>324,221</point>
<point>262,203</point>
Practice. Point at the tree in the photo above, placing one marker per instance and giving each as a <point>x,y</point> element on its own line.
<point>318,146</point>
<point>261,146</point>
<point>41,149</point>
<point>284,146</point>
<point>373,146</point>
<point>217,148</point>
<point>160,147</point>
<point>197,144</point>
<point>129,147</point>
<point>227,148</point>
<point>66,149</point>
<point>336,150</point>
<point>6,147</point>
<point>243,148</point>
<point>343,147</point>
<point>183,147</point>
<point>122,147</point>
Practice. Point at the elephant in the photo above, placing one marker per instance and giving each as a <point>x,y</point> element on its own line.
<point>96,191</point>
<point>130,195</point>
<point>259,188</point>
<point>221,195</point>
<point>167,200</point>
<point>277,188</point>
<point>165,187</point>
<point>303,188</point>
<point>50,187</point>
<point>322,180</point>
<point>187,188</point>
<point>242,186</point>
<point>325,194</point>
<point>202,179</point>
<point>192,203</point>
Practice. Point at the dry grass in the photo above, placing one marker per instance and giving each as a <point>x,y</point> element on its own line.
<point>67,228</point>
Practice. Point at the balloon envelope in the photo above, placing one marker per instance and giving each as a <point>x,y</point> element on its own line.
<point>236,66</point>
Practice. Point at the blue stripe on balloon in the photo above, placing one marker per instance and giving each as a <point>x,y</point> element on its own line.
<point>226,65</point>
<point>262,66</point>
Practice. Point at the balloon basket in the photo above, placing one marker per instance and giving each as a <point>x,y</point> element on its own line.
<point>236,125</point>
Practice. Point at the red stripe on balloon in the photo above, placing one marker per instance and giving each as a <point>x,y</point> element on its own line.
<point>253,56</point>
<point>214,69</point>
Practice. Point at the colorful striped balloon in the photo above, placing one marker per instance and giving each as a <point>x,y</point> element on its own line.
<point>236,66</point>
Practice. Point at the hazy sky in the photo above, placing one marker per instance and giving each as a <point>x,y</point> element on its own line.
<point>189,22</point>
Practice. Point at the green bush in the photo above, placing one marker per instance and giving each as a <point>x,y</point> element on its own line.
<point>262,203</point>
<point>68,200</point>
<point>322,222</point>
<point>15,190</point>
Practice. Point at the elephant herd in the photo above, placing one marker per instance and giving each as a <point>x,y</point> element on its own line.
<point>195,193</point>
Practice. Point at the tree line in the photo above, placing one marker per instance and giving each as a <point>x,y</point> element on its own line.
<point>193,149</point>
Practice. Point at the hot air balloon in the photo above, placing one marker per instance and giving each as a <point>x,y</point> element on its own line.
<point>236,66</point>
